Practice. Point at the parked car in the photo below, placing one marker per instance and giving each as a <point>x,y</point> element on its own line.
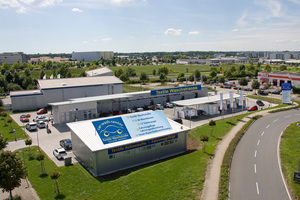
<point>59,153</point>
<point>227,87</point>
<point>260,103</point>
<point>253,108</point>
<point>201,112</point>
<point>117,112</point>
<point>168,105</point>
<point>159,107</point>
<point>237,88</point>
<point>178,120</point>
<point>23,118</point>
<point>41,111</point>
<point>41,124</point>
<point>31,126</point>
<point>66,144</point>
<point>276,92</point>
<point>248,89</point>
<point>42,118</point>
<point>263,92</point>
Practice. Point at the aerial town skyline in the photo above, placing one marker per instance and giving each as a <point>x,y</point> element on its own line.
<point>148,26</point>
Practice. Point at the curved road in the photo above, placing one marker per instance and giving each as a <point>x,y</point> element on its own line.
<point>255,172</point>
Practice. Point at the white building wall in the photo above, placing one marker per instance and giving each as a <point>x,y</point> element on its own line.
<point>28,102</point>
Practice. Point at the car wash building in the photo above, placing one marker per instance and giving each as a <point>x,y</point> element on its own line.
<point>107,145</point>
<point>278,78</point>
<point>78,109</point>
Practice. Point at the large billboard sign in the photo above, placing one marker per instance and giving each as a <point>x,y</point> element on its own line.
<point>286,92</point>
<point>131,126</point>
<point>176,90</point>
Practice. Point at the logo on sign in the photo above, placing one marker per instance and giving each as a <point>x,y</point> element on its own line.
<point>111,130</point>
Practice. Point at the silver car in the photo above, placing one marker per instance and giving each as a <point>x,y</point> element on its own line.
<point>31,126</point>
<point>41,124</point>
<point>42,118</point>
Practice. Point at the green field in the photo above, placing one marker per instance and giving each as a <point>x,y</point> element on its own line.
<point>289,154</point>
<point>6,129</point>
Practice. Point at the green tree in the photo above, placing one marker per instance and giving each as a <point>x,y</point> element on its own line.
<point>162,78</point>
<point>4,115</point>
<point>10,121</point>
<point>124,77</point>
<point>118,72</point>
<point>42,73</point>
<point>164,69</point>
<point>143,77</point>
<point>28,142</point>
<point>204,139</point>
<point>9,77</point>
<point>255,85</point>
<point>3,142</point>
<point>282,68</point>
<point>40,157</point>
<point>198,74</point>
<point>55,175</point>
<point>211,124</point>
<point>268,68</point>
<point>243,82</point>
<point>130,71</point>
<point>11,172</point>
<point>213,74</point>
<point>154,72</point>
<point>221,79</point>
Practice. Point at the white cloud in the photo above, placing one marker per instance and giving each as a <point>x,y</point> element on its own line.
<point>84,42</point>
<point>242,20</point>
<point>21,5</point>
<point>235,30</point>
<point>106,39</point>
<point>272,6</point>
<point>172,31</point>
<point>295,1</point>
<point>22,10</point>
<point>194,33</point>
<point>76,10</point>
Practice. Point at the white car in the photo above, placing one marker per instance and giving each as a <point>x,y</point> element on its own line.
<point>168,105</point>
<point>31,126</point>
<point>41,124</point>
<point>42,118</point>
<point>59,153</point>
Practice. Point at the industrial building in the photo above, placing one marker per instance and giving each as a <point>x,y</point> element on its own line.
<point>58,90</point>
<point>107,145</point>
<point>277,78</point>
<point>92,55</point>
<point>102,71</point>
<point>85,108</point>
<point>12,58</point>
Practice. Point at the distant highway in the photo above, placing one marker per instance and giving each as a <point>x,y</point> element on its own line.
<point>255,171</point>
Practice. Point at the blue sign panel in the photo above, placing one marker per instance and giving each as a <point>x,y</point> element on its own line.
<point>131,126</point>
<point>111,130</point>
<point>286,86</point>
<point>176,90</point>
<point>141,144</point>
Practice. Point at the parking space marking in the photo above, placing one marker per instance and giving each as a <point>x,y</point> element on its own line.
<point>255,168</point>
<point>268,126</point>
<point>258,142</point>
<point>275,120</point>
<point>255,153</point>
<point>262,134</point>
<point>257,188</point>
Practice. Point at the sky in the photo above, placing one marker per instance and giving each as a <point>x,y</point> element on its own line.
<point>124,26</point>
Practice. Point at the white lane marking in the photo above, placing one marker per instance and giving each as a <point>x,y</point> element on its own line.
<point>268,126</point>
<point>262,133</point>
<point>287,116</point>
<point>279,164</point>
<point>257,189</point>
<point>255,153</point>
<point>255,168</point>
<point>258,142</point>
<point>275,120</point>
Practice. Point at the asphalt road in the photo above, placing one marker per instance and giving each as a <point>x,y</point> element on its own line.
<point>255,171</point>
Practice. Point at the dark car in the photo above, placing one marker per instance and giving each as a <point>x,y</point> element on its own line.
<point>66,144</point>
<point>227,87</point>
<point>260,103</point>
<point>41,111</point>
<point>248,89</point>
<point>178,120</point>
<point>263,92</point>
<point>253,108</point>
<point>276,92</point>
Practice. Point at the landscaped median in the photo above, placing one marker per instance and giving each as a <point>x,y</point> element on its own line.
<point>289,154</point>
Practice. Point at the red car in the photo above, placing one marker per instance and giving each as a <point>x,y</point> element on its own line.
<point>23,118</point>
<point>253,108</point>
<point>42,111</point>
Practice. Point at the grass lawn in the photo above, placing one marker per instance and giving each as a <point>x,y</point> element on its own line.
<point>180,177</point>
<point>6,129</point>
<point>289,154</point>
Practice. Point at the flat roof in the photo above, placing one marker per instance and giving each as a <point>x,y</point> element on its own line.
<point>98,71</point>
<point>25,92</point>
<point>87,133</point>
<point>204,100</point>
<point>78,82</point>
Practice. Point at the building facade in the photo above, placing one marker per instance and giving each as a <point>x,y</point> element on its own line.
<point>12,58</point>
<point>277,78</point>
<point>92,55</point>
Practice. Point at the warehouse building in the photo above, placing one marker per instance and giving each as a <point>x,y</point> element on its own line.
<point>92,55</point>
<point>58,90</point>
<point>12,58</point>
<point>78,109</point>
<point>102,71</point>
<point>107,145</point>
